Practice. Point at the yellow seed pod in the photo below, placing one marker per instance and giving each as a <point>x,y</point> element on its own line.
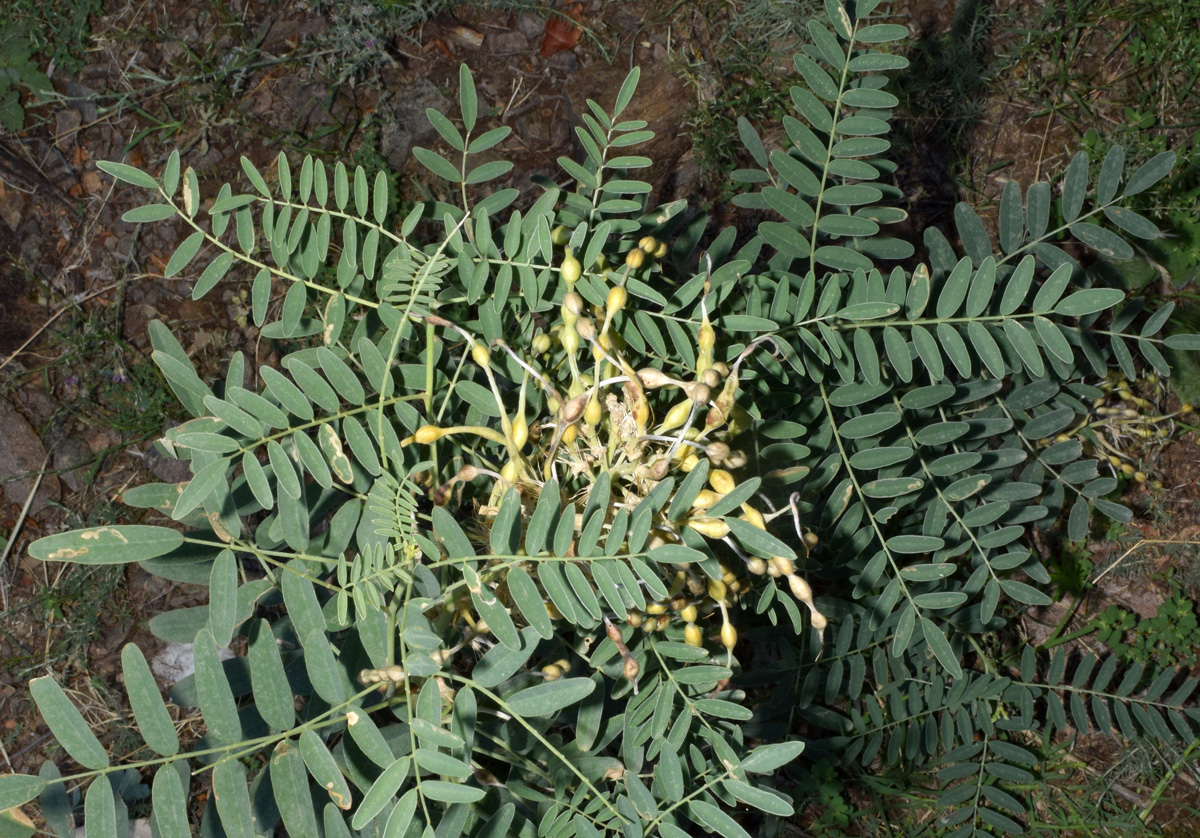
<point>520,431</point>
<point>705,499</point>
<point>711,378</point>
<point>722,481</point>
<point>617,296</point>
<point>710,527</point>
<point>689,462</point>
<point>692,635</point>
<point>481,356</point>
<point>573,303</point>
<point>784,565</point>
<point>560,235</point>
<point>655,608</point>
<point>1114,460</point>
<point>427,435</point>
<point>1139,476</point>
<point>728,577</point>
<point>634,618</point>
<point>631,670</point>
<point>756,565</point>
<point>540,343</point>
<point>739,421</point>
<point>811,540</point>
<point>689,613</point>
<point>552,672</point>
<point>648,243</point>
<point>1127,469</point>
<point>593,413</point>
<point>511,471</point>
<point>602,263</point>
<point>553,611</point>
<point>1185,408</point>
<point>729,636</point>
<point>753,517</point>
<point>570,340</point>
<point>676,416</point>
<point>818,620</point>
<point>570,269</point>
<point>707,338</point>
<point>635,258</point>
<point>800,588</point>
<point>660,251</point>
<point>662,621</point>
<point>716,590</point>
<point>570,435</point>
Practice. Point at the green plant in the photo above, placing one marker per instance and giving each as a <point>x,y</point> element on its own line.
<point>546,494</point>
<point>17,69</point>
<point>1169,639</point>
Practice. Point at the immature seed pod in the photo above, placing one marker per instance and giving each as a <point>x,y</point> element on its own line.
<point>699,393</point>
<point>716,590</point>
<point>552,672</point>
<point>540,343</point>
<point>520,431</point>
<point>676,416</point>
<point>570,435</point>
<point>689,614</point>
<point>711,378</point>
<point>635,258</point>
<point>586,328</point>
<point>427,435</point>
<point>721,481</point>
<point>560,235</point>
<point>753,517</point>
<point>697,586</point>
<point>617,295</point>
<point>784,565</point>
<point>656,608</point>
<point>756,565</point>
<point>570,340</point>
<point>570,269</point>
<point>800,589</point>
<point>729,636</point>
<point>660,252</point>
<point>662,621</point>
<point>511,471</point>
<point>692,635</point>
<point>648,243</point>
<point>689,462</point>
<point>811,540</point>
<point>710,527</point>
<point>481,356</point>
<point>1139,476</point>
<point>634,618</point>
<point>659,468</point>
<point>705,499</point>
<point>593,413</point>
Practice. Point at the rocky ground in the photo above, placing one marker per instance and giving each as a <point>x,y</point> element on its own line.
<point>80,405</point>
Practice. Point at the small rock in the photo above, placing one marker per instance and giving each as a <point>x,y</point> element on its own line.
<point>21,457</point>
<point>404,121</point>
<point>177,661</point>
<point>83,99</point>
<point>92,184</point>
<point>66,125</point>
<point>507,43</point>
<point>531,25</point>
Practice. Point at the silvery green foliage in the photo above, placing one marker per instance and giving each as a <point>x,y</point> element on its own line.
<point>906,418</point>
